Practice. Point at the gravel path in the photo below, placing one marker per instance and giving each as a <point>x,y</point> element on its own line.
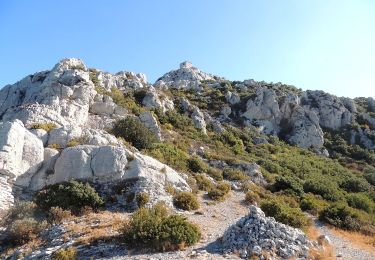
<point>344,249</point>
<point>213,220</point>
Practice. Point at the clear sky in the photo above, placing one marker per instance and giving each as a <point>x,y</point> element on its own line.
<point>312,44</point>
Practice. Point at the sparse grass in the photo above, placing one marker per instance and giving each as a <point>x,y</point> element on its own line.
<point>48,127</point>
<point>358,239</point>
<point>65,254</point>
<point>95,226</point>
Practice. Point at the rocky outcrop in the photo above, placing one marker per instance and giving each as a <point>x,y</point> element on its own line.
<point>21,156</point>
<point>186,77</point>
<point>256,233</point>
<point>148,119</point>
<point>153,100</point>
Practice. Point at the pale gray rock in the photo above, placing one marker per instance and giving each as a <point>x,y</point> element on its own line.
<point>198,120</point>
<point>61,136</point>
<point>225,111</point>
<point>305,129</point>
<point>21,156</point>
<point>148,119</point>
<point>41,134</point>
<point>232,98</point>
<point>371,104</point>
<point>153,100</point>
<point>369,119</point>
<point>255,233</point>
<point>330,109</point>
<point>122,79</point>
<point>186,77</point>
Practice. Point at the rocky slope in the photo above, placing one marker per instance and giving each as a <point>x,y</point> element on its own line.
<point>81,105</point>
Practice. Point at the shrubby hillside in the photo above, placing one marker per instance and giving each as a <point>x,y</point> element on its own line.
<point>77,141</point>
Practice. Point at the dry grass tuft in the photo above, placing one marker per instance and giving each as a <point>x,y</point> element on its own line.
<point>96,226</point>
<point>359,240</point>
<point>326,252</point>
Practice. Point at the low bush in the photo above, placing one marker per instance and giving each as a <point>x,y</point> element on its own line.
<point>133,131</point>
<point>196,164</point>
<point>142,199</point>
<point>360,201</point>
<point>186,201</point>
<point>285,214</point>
<point>170,155</point>
<point>25,229</point>
<point>19,210</point>
<point>288,184</point>
<point>234,175</point>
<point>370,177</point>
<point>219,192</point>
<point>70,195</point>
<point>204,183</point>
<point>156,229</point>
<point>252,197</point>
<point>312,204</point>
<point>65,254</point>
<point>325,189</point>
<point>48,127</point>
<point>215,173</point>
<point>355,185</point>
<point>56,215</point>
<point>341,216</point>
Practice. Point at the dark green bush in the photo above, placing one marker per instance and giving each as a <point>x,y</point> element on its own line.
<point>370,177</point>
<point>204,183</point>
<point>285,214</point>
<point>196,164</point>
<point>133,131</point>
<point>312,204</point>
<point>155,228</point>
<point>355,184</point>
<point>186,201</point>
<point>323,188</point>
<point>70,195</point>
<point>360,201</point>
<point>142,199</point>
<point>341,216</point>
<point>234,175</point>
<point>288,184</point>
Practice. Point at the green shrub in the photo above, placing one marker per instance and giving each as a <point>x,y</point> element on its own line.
<point>215,173</point>
<point>355,185</point>
<point>70,195</point>
<point>312,204</point>
<point>252,197</point>
<point>186,201</point>
<point>65,254</point>
<point>360,201</point>
<point>196,164</point>
<point>25,229</point>
<point>155,228</point>
<point>175,119</point>
<point>288,184</point>
<point>285,214</point>
<point>19,210</point>
<point>48,127</point>
<point>170,155</point>
<point>325,189</point>
<point>219,192</point>
<point>370,177</point>
<point>204,183</point>
<point>234,175</point>
<point>133,131</point>
<point>341,216</point>
<point>142,199</point>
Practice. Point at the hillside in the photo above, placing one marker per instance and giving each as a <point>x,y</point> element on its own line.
<point>85,154</point>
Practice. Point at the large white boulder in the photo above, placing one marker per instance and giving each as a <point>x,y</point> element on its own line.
<point>21,156</point>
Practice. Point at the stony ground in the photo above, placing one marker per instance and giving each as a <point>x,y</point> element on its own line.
<point>214,220</point>
<point>343,248</point>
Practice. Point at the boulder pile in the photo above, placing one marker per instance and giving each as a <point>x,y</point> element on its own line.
<point>256,233</point>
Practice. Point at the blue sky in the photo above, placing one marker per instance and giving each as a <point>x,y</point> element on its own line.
<point>317,44</point>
